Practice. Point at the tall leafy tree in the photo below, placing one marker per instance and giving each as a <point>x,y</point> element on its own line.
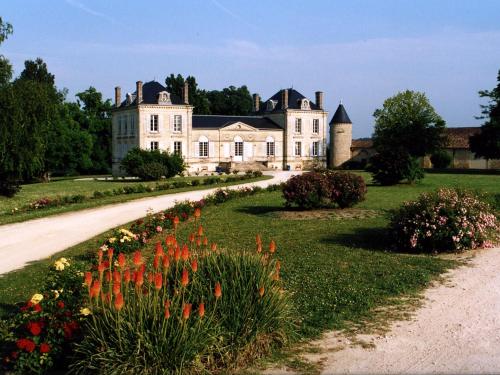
<point>487,143</point>
<point>406,128</point>
<point>5,67</point>
<point>235,101</point>
<point>197,98</point>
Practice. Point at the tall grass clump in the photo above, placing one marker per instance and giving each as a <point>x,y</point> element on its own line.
<point>183,307</point>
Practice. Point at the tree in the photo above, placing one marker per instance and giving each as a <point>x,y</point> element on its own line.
<point>406,128</point>
<point>197,97</point>
<point>5,67</point>
<point>231,101</point>
<point>487,143</point>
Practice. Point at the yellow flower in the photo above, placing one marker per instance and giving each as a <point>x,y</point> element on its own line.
<point>112,240</point>
<point>36,298</point>
<point>59,266</point>
<point>64,261</point>
<point>122,240</point>
<point>56,294</point>
<point>85,311</point>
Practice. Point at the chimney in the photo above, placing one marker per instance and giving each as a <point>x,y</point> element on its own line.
<point>139,92</point>
<point>256,102</point>
<point>118,96</point>
<point>284,99</point>
<point>319,99</point>
<point>185,93</point>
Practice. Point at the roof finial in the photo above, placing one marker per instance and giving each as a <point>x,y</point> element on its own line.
<point>341,101</point>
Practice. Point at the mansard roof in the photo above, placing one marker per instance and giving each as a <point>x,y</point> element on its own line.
<point>150,91</point>
<point>340,116</point>
<point>294,98</point>
<point>217,122</point>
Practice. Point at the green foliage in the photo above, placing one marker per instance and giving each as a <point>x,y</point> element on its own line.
<point>441,159</point>
<point>487,143</point>
<point>347,189</point>
<point>152,164</point>
<point>197,97</point>
<point>444,220</point>
<point>390,167</point>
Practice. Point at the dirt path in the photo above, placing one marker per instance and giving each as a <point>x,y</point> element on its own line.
<point>32,240</point>
<point>457,331</point>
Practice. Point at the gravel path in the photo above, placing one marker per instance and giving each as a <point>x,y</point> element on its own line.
<point>457,331</point>
<point>32,240</point>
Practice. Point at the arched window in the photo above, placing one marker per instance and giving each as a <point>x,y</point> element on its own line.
<point>270,147</point>
<point>203,146</point>
<point>305,104</point>
<point>238,146</point>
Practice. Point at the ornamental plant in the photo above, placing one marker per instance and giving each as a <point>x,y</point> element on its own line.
<point>182,306</point>
<point>346,189</point>
<point>444,220</point>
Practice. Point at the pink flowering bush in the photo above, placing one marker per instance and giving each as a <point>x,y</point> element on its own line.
<point>444,220</point>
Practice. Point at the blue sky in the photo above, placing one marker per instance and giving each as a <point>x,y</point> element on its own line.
<point>360,51</point>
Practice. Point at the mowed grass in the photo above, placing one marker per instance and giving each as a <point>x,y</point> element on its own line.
<point>337,270</point>
<point>64,187</point>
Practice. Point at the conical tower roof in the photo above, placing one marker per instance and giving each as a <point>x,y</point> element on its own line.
<point>340,116</point>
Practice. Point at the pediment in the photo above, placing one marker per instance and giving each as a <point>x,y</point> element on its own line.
<point>239,126</point>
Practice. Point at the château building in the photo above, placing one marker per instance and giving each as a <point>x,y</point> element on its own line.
<point>289,131</point>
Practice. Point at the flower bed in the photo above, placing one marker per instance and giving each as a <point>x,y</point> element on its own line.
<point>444,220</point>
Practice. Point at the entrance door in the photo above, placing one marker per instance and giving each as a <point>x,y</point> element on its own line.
<point>238,149</point>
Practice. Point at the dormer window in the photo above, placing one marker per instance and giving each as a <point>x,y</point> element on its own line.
<point>271,105</point>
<point>164,97</point>
<point>304,104</point>
<point>130,98</point>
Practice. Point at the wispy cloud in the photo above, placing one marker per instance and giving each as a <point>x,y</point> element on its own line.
<point>86,9</point>
<point>233,14</point>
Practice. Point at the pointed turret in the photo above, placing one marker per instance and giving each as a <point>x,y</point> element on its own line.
<point>340,137</point>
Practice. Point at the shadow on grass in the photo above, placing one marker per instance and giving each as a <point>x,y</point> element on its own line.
<point>263,210</point>
<point>375,239</point>
<point>7,309</point>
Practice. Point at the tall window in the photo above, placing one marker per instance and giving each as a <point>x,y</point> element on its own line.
<point>203,147</point>
<point>298,125</point>
<point>154,123</point>
<point>270,148</point>
<point>132,125</point>
<point>298,148</point>
<point>154,145</point>
<point>315,126</point>
<point>178,148</point>
<point>315,149</point>
<point>238,148</point>
<point>177,123</point>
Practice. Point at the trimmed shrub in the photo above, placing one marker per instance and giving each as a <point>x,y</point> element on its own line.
<point>444,220</point>
<point>257,173</point>
<point>151,171</point>
<point>308,190</point>
<point>441,159</point>
<point>144,164</point>
<point>347,189</point>
<point>392,167</point>
<point>195,182</point>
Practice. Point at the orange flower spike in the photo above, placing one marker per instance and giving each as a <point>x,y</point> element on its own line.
<point>258,240</point>
<point>167,313</point>
<point>198,241</point>
<point>166,263</point>
<point>126,276</point>
<point>88,279</point>
<point>110,254</point>
<point>116,289</point>
<point>156,262</point>
<point>200,231</point>
<point>205,241</point>
<point>119,302</point>
<point>276,275</point>
<point>185,277</point>
<point>158,278</point>
<point>167,304</point>
<point>158,250</point>
<point>170,252</point>
<point>201,310</point>
<point>122,260</point>
<point>197,213</point>
<point>101,267</point>
<point>213,247</point>
<point>261,291</point>
<point>139,279</point>
<point>150,278</point>
<point>191,237</point>
<point>177,254</point>
<point>194,265</point>
<point>218,290</point>
<point>107,276</point>
<point>137,259</point>
<point>259,248</point>
<point>117,277</point>
<point>99,255</point>
<point>186,311</point>
<point>278,265</point>
<point>95,289</point>
<point>175,222</point>
<point>272,247</point>
<point>185,253</point>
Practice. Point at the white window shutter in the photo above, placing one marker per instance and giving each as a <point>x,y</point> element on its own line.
<point>320,148</point>
<point>311,149</point>
<point>247,150</point>
<point>211,149</point>
<point>196,149</point>
<point>302,149</point>
<point>227,150</point>
<point>171,123</point>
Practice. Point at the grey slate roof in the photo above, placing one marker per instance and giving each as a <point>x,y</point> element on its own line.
<point>340,116</point>
<point>293,101</point>
<point>150,92</point>
<point>217,122</point>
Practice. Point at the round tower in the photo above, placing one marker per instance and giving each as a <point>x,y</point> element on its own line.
<point>340,137</point>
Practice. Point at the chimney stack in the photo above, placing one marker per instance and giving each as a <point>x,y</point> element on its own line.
<point>319,99</point>
<point>118,96</point>
<point>139,92</point>
<point>256,102</point>
<point>284,99</point>
<point>185,93</point>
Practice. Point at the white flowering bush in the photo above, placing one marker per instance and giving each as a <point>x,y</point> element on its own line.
<point>444,220</point>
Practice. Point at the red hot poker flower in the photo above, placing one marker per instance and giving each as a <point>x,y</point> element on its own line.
<point>205,241</point>
<point>156,262</point>
<point>177,254</point>
<point>201,310</point>
<point>110,253</point>
<point>213,247</point>
<point>191,237</point>
<point>137,259</point>
<point>198,241</point>
<point>218,290</point>
<point>194,265</point>
<point>126,276</point>
<point>272,247</point>
<point>185,252</point>
<point>185,277</point>
<point>99,255</point>
<point>116,289</point>
<point>197,212</point>
<point>117,277</point>
<point>88,279</point>
<point>167,312</point>
<point>119,302</point>
<point>258,240</point>
<point>139,279</point>
<point>200,231</point>
<point>158,250</point>
<point>158,278</point>
<point>101,267</point>
<point>166,263</point>
<point>175,222</point>
<point>186,311</point>
<point>122,261</point>
<point>95,289</point>
<point>261,291</point>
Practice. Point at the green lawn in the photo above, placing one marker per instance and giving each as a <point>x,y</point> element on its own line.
<point>64,187</point>
<point>338,270</point>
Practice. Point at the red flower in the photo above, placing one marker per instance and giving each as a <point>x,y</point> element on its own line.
<point>99,255</point>
<point>137,258</point>
<point>101,267</point>
<point>185,252</point>
<point>94,290</point>
<point>166,263</point>
<point>201,310</point>
<point>139,279</point>
<point>167,312</point>
<point>185,277</point>
<point>26,344</point>
<point>110,253</point>
<point>272,246</point>
<point>258,239</point>
<point>197,212</point>
<point>186,311</point>
<point>177,254</point>
<point>122,260</point>
<point>156,262</point>
<point>119,302</point>
<point>259,247</point>
<point>261,291</point>
<point>175,222</point>
<point>35,328</point>
<point>200,231</point>
<point>218,290</point>
<point>159,250</point>
<point>194,265</point>
<point>116,289</point>
<point>158,281</point>
<point>213,247</point>
<point>126,276</point>
<point>198,241</point>
<point>107,276</point>
<point>150,277</point>
<point>60,304</point>
<point>205,241</point>
<point>44,347</point>
<point>37,307</point>
<point>88,278</point>
<point>117,277</point>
